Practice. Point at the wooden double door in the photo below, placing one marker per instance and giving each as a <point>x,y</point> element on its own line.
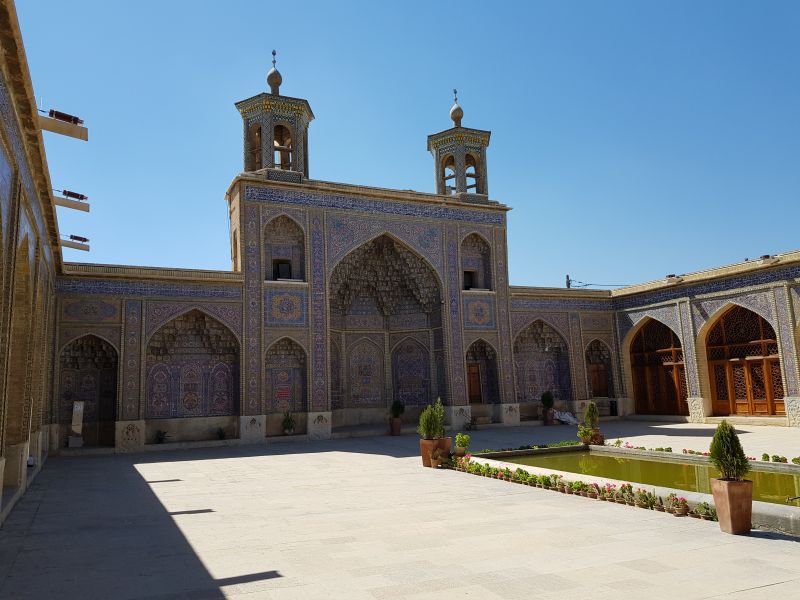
<point>747,387</point>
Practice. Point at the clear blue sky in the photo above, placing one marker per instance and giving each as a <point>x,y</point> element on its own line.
<point>632,139</point>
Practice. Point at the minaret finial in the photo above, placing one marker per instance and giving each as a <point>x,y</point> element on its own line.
<point>274,78</point>
<point>455,111</point>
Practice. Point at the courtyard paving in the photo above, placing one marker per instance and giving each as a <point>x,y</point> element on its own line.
<point>360,518</point>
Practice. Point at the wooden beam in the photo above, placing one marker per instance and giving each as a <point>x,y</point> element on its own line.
<point>75,245</point>
<point>64,128</point>
<point>74,204</point>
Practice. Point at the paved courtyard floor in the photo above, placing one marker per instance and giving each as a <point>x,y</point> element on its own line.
<point>361,518</point>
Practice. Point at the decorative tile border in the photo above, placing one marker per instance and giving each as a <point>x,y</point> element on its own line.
<point>115,287</point>
<point>408,209</point>
<point>457,392</point>
<point>319,320</point>
<point>131,356</point>
<point>90,311</point>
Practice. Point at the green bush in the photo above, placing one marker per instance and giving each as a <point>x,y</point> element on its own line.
<point>765,457</point>
<point>796,460</point>
<point>584,432</point>
<point>592,417</point>
<point>431,421</point>
<point>726,453</point>
<point>398,408</point>
<point>463,440</point>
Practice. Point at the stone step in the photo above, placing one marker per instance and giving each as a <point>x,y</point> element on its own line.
<point>742,420</point>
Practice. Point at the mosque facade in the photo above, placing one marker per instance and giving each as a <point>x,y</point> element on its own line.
<point>342,299</point>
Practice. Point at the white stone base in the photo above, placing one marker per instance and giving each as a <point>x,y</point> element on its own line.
<point>792,404</point>
<point>253,429</point>
<point>457,417</point>
<point>319,425</point>
<point>507,414</point>
<point>16,465</point>
<point>697,409</point>
<point>129,436</point>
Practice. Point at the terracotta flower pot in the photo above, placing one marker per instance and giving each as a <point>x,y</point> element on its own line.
<point>681,512</point>
<point>395,425</point>
<point>734,503</point>
<point>426,448</point>
<point>444,444</point>
<point>459,451</point>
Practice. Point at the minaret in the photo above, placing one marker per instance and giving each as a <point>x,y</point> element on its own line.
<point>276,132</point>
<point>459,154</point>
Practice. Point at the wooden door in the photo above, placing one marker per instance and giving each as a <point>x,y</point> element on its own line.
<point>599,378</point>
<point>474,384</point>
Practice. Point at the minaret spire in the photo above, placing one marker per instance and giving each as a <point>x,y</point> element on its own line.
<point>274,79</point>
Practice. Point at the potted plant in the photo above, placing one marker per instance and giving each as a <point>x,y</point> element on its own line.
<point>396,423</point>
<point>592,421</point>
<point>462,443</point>
<point>680,507</point>
<point>431,432</point>
<point>437,458</point>
<point>288,423</point>
<point>733,495</point>
<point>547,408</point>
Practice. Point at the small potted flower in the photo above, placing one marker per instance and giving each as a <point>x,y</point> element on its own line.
<point>396,423</point>
<point>592,491</point>
<point>658,504</point>
<point>640,498</point>
<point>546,482</point>
<point>462,443</point>
<point>669,504</point>
<point>680,507</point>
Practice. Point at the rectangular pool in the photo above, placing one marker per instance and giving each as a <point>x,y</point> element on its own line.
<point>768,486</point>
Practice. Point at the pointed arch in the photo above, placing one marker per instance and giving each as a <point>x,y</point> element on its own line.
<point>183,309</point>
<point>654,368</point>
<point>476,262</point>
<point>253,157</point>
<point>181,357</point>
<point>599,370</point>
<point>483,385</point>
<point>88,371</point>
<point>739,363</point>
<point>411,373</point>
<point>542,362</point>
<point>287,377</point>
<point>284,249</point>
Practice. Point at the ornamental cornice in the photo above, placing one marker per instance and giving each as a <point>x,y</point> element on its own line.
<point>459,137</point>
<point>275,104</point>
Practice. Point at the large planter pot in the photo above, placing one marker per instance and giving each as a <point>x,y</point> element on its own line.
<point>395,425</point>
<point>734,503</point>
<point>426,448</point>
<point>459,451</point>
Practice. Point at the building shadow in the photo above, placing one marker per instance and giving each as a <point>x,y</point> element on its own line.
<point>87,531</point>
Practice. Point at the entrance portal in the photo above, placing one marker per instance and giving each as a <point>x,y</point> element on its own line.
<point>744,367</point>
<point>659,379</point>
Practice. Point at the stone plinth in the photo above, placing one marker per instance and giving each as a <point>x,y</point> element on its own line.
<point>792,404</point>
<point>319,425</point>
<point>129,436</point>
<point>253,429</point>
<point>36,448</point>
<point>507,414</point>
<point>457,417</point>
<point>697,409</point>
<point>16,465</point>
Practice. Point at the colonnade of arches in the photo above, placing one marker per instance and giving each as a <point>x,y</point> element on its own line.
<point>739,366</point>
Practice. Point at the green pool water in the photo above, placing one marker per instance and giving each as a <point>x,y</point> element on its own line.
<point>767,486</point>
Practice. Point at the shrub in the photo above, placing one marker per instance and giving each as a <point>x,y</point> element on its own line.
<point>463,440</point>
<point>765,457</point>
<point>547,400</point>
<point>726,453</point>
<point>592,417</point>
<point>584,433</point>
<point>796,460</point>
<point>431,421</point>
<point>545,481</point>
<point>398,408</point>
<point>779,459</point>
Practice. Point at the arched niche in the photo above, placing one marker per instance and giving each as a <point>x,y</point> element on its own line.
<point>476,263</point>
<point>286,371</point>
<point>657,370</point>
<point>599,370</point>
<point>283,147</point>
<point>192,369</point>
<point>541,361</point>
<point>88,371</point>
<point>743,370</point>
<point>483,386</point>
<point>380,293</point>
<point>253,158</point>
<point>284,250</point>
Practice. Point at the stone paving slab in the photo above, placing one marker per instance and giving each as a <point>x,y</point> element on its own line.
<point>362,519</point>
